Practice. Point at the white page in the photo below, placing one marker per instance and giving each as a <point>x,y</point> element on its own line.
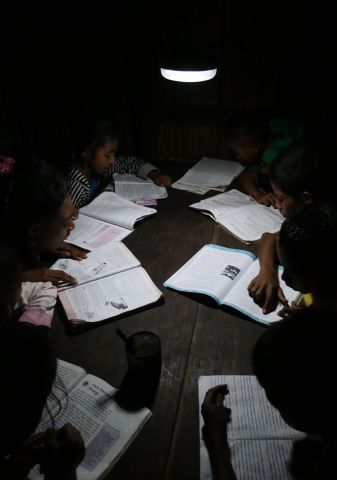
<point>100,263</point>
<point>139,190</point>
<point>212,172</point>
<point>190,188</point>
<point>212,271</point>
<point>90,233</point>
<point>112,208</point>
<point>107,429</point>
<point>110,296</point>
<point>260,440</point>
<point>242,215</point>
<point>239,298</point>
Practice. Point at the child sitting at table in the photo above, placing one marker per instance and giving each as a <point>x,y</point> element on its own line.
<point>96,162</point>
<point>297,178</point>
<point>306,250</point>
<point>256,142</point>
<point>27,371</point>
<point>295,362</point>
<point>39,217</point>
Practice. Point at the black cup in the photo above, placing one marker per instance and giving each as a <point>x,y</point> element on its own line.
<point>143,351</point>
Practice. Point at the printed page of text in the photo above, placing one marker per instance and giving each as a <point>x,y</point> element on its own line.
<point>90,233</point>
<point>112,208</point>
<point>260,440</point>
<point>100,263</point>
<point>212,172</point>
<point>109,296</point>
<point>106,429</point>
<point>214,270</point>
<point>239,298</point>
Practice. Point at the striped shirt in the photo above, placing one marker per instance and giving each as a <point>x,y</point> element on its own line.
<point>79,187</point>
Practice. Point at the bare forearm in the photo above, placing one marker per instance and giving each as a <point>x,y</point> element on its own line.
<point>248,182</point>
<point>267,252</point>
<point>220,459</point>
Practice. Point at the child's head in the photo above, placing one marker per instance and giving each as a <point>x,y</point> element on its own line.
<point>246,136</point>
<point>306,249</point>
<point>295,362</point>
<point>97,147</point>
<point>10,284</point>
<point>28,368</point>
<point>297,178</point>
<point>40,210</point>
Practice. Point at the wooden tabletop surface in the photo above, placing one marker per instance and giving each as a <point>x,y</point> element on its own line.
<point>197,339</point>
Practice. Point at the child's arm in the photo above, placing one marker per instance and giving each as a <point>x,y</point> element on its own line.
<point>45,274</point>
<point>249,184</point>
<point>70,251</point>
<point>265,287</point>
<point>142,169</point>
<point>160,179</point>
<point>216,418</point>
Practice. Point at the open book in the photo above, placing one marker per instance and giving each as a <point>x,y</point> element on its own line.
<point>224,274</point>
<point>241,215</point>
<point>112,208</point>
<point>88,404</point>
<point>90,233</point>
<point>260,441</point>
<point>100,263</point>
<point>209,174</point>
<point>135,188</point>
<point>111,283</point>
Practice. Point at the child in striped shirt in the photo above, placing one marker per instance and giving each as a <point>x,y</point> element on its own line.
<point>96,162</point>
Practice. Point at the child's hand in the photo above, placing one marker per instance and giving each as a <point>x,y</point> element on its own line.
<point>69,251</point>
<point>267,199</point>
<point>266,291</point>
<point>289,309</point>
<point>45,274</point>
<point>64,451</point>
<point>27,456</point>
<point>163,181</point>
<point>216,416</point>
<point>160,179</point>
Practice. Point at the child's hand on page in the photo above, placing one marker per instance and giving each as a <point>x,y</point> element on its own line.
<point>64,451</point>
<point>267,199</point>
<point>216,416</point>
<point>69,251</point>
<point>265,290</point>
<point>45,274</point>
<point>163,181</point>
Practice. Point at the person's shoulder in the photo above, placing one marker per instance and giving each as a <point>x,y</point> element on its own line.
<point>75,175</point>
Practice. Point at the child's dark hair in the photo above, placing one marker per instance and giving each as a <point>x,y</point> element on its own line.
<point>93,136</point>
<point>248,126</point>
<point>309,232</point>
<point>295,358</point>
<point>37,193</point>
<point>298,169</point>
<point>28,369</point>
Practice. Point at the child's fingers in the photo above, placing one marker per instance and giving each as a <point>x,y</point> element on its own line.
<point>213,393</point>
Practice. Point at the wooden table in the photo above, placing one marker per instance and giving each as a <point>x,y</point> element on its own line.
<point>196,340</point>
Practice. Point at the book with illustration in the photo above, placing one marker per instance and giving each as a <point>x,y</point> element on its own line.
<point>224,275</point>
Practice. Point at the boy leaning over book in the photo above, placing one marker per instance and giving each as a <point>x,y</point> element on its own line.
<point>255,142</point>
<point>308,337</point>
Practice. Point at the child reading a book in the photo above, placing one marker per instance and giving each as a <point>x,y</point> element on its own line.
<point>96,162</point>
<point>306,250</point>
<point>300,384</point>
<point>256,143</point>
<point>297,177</point>
<point>38,219</point>
<point>28,369</point>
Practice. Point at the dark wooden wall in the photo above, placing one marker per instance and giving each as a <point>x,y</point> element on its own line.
<point>63,62</point>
